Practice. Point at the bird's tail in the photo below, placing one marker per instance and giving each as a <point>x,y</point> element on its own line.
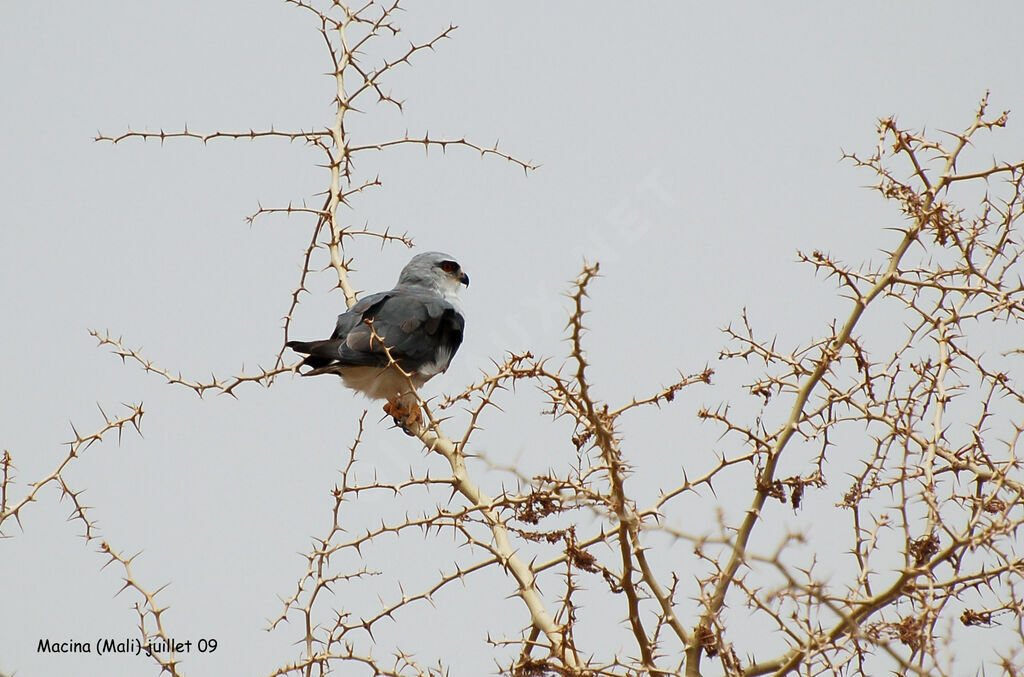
<point>304,347</point>
<point>318,354</point>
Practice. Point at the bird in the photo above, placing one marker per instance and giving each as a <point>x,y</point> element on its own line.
<point>393,341</point>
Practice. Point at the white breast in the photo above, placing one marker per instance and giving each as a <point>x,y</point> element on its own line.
<point>377,383</point>
<point>431,369</point>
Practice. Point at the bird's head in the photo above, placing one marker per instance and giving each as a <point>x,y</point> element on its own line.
<point>434,270</point>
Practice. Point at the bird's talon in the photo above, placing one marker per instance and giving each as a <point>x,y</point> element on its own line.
<point>404,418</point>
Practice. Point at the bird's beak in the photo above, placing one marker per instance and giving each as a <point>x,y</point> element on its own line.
<point>464,279</point>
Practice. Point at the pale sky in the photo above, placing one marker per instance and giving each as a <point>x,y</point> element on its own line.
<point>689,148</point>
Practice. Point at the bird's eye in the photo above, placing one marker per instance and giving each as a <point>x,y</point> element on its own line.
<point>449,266</point>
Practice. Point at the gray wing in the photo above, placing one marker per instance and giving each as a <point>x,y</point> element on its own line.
<point>354,315</point>
<point>420,329</point>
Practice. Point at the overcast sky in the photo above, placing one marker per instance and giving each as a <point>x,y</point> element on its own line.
<point>690,148</point>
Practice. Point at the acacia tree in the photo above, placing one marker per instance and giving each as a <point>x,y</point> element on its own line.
<point>910,435</point>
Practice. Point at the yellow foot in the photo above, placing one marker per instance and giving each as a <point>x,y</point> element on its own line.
<point>405,418</point>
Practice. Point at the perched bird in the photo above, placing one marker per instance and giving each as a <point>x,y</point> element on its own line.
<point>419,322</point>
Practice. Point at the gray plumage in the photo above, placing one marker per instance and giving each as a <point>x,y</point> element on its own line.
<point>420,321</point>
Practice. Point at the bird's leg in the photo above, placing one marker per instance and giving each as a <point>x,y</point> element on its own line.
<point>405,416</point>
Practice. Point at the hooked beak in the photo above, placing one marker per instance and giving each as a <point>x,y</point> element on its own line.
<point>464,279</point>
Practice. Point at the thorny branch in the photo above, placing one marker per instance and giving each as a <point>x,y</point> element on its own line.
<point>11,507</point>
<point>152,633</point>
<point>969,271</point>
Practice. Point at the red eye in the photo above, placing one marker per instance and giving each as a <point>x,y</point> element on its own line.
<point>449,266</point>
